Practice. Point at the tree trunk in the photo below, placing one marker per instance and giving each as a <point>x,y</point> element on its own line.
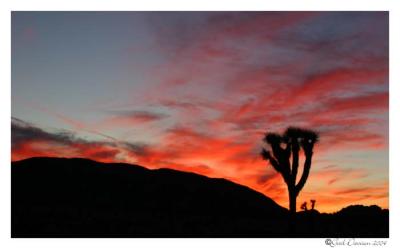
<point>292,201</point>
<point>292,210</point>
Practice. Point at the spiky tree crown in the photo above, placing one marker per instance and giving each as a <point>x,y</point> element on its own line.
<point>285,154</point>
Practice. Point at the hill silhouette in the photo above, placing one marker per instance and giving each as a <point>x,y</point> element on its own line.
<point>59,197</point>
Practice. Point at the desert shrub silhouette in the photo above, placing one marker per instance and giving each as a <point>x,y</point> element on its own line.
<point>285,158</point>
<point>304,206</point>
<point>313,204</point>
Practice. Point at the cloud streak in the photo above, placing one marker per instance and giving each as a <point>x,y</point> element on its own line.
<point>28,140</point>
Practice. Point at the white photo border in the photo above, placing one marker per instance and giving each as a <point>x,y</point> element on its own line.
<point>118,5</point>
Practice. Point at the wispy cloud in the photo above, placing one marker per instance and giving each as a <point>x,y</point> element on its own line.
<point>28,140</point>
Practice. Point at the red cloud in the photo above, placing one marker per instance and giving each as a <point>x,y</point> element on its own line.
<point>337,81</point>
<point>129,119</point>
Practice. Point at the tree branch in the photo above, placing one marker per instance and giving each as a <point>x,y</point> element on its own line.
<point>295,162</point>
<point>306,172</point>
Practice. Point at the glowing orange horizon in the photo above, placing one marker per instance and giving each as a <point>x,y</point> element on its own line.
<point>323,184</point>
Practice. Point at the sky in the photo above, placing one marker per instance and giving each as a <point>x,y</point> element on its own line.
<point>197,91</point>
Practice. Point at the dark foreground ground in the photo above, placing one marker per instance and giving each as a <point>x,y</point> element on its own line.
<point>56,197</point>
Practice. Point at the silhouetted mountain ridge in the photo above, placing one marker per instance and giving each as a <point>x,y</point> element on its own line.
<point>60,197</point>
<point>122,198</point>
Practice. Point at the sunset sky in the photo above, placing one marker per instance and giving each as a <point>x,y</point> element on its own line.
<point>196,91</point>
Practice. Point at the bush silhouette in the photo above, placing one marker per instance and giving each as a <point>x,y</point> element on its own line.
<point>285,158</point>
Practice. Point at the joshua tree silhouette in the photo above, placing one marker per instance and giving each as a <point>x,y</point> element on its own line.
<point>285,158</point>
